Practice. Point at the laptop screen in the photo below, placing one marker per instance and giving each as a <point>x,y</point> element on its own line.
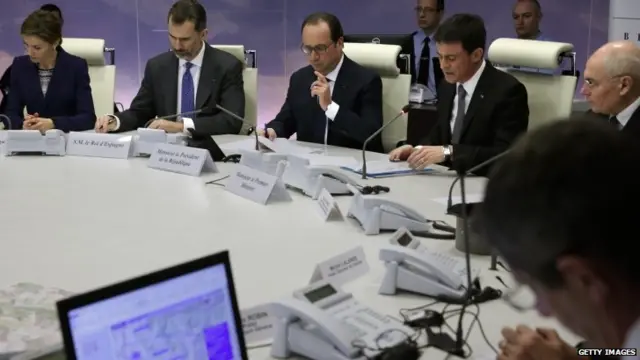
<point>191,316</point>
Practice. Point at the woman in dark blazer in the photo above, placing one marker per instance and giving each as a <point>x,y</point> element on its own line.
<point>52,84</point>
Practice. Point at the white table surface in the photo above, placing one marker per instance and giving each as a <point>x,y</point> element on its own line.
<point>79,223</point>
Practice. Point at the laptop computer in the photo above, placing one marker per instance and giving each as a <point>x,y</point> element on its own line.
<point>188,311</point>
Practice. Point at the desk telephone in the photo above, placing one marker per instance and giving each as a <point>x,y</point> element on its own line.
<point>311,179</point>
<point>145,142</point>
<point>412,267</point>
<point>264,162</point>
<point>376,215</point>
<point>321,322</point>
<point>34,142</point>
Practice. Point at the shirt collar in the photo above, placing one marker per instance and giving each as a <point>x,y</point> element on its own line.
<point>420,36</point>
<point>333,75</point>
<point>197,61</point>
<point>470,85</point>
<point>625,115</point>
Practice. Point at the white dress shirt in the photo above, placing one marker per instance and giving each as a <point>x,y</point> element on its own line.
<point>332,109</point>
<point>195,74</point>
<point>469,86</point>
<point>625,115</point>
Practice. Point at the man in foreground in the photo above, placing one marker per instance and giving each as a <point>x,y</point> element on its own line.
<point>565,227</point>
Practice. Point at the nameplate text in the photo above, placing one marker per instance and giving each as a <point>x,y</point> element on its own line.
<point>112,146</point>
<point>257,324</point>
<point>328,207</point>
<point>181,159</point>
<point>342,268</point>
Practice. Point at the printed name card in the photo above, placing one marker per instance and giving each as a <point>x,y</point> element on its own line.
<point>99,145</point>
<point>182,160</point>
<point>257,325</point>
<point>328,207</point>
<point>343,268</point>
<point>257,186</point>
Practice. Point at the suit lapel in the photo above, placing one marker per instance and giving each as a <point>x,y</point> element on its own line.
<point>170,74</point>
<point>56,76</point>
<point>206,77</point>
<point>447,96</point>
<point>478,98</point>
<point>341,83</point>
<point>633,126</point>
<point>33,81</point>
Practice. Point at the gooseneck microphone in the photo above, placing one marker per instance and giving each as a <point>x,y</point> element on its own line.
<point>458,349</point>
<point>405,109</point>
<point>242,120</point>
<point>168,117</point>
<point>6,121</point>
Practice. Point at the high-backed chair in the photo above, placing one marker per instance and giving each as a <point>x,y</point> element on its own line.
<point>250,78</point>
<point>102,75</point>
<point>550,96</point>
<point>395,86</point>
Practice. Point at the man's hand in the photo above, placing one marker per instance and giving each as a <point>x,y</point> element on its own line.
<point>105,124</point>
<point>321,89</point>
<point>524,343</point>
<point>38,123</point>
<point>424,156</point>
<point>401,153</point>
<point>269,133</point>
<point>166,125</point>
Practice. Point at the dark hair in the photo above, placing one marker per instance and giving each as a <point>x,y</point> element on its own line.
<point>331,20</point>
<point>467,29</point>
<point>54,9</point>
<point>550,196</point>
<point>43,24</point>
<point>188,10</point>
<point>440,5</point>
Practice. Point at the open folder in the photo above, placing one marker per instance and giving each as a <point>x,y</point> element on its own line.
<point>386,168</point>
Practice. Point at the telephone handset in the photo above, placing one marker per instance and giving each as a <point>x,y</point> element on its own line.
<point>334,174</point>
<point>311,180</point>
<point>313,318</point>
<point>432,265</point>
<point>393,207</point>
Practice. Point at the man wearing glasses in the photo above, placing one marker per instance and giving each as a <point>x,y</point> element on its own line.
<point>333,101</point>
<point>612,85</point>
<point>565,228</point>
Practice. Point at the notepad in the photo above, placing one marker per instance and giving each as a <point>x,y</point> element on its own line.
<point>386,168</point>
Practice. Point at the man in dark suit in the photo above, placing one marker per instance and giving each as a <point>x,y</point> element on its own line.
<point>612,85</point>
<point>193,76</point>
<point>421,46</point>
<point>332,101</point>
<point>481,110</point>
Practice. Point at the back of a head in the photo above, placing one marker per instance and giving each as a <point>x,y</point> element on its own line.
<point>188,10</point>
<point>332,21</point>
<point>564,189</point>
<point>54,9</point>
<point>621,58</point>
<point>44,25</point>
<point>467,29</point>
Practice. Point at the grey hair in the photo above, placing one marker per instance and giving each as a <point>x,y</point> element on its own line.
<point>623,63</point>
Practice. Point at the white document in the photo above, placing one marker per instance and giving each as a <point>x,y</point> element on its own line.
<point>181,159</point>
<point>257,325</point>
<point>388,168</point>
<point>326,160</point>
<point>342,268</point>
<point>238,146</point>
<point>470,199</point>
<point>112,146</point>
<point>284,146</point>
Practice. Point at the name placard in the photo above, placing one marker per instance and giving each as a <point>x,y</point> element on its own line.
<point>112,146</point>
<point>328,207</point>
<point>256,185</point>
<point>182,160</point>
<point>342,268</point>
<point>257,324</point>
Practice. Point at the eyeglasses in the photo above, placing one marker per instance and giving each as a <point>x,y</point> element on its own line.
<point>520,297</point>
<point>318,49</point>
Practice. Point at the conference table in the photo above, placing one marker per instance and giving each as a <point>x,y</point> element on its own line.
<point>79,223</point>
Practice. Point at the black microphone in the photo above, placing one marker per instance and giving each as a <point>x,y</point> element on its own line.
<point>7,120</point>
<point>168,117</point>
<point>405,109</point>
<point>458,349</point>
<point>242,120</point>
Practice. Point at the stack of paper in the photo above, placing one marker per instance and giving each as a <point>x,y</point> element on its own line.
<point>386,168</point>
<point>28,317</point>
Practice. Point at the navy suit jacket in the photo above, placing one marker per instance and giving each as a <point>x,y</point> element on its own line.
<point>358,92</point>
<point>68,101</point>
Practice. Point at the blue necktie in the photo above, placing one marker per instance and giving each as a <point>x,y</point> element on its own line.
<point>187,99</point>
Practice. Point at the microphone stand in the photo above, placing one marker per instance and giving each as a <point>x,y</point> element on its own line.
<point>405,109</point>
<point>236,117</point>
